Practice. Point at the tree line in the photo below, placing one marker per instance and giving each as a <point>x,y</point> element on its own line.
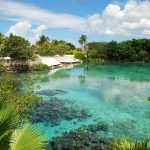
<point>19,48</point>
<point>131,51</point>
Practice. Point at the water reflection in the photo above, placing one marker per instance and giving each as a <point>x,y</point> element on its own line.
<point>112,93</point>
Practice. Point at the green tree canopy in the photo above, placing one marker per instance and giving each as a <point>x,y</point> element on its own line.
<point>42,40</point>
<point>17,48</point>
<point>72,47</point>
<point>131,50</point>
<point>61,49</point>
<point>1,38</point>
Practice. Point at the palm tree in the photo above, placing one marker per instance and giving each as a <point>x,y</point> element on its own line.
<point>15,137</point>
<point>83,41</point>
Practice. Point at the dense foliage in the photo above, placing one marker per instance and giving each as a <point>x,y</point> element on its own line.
<point>11,93</point>
<point>1,66</point>
<point>21,49</point>
<point>15,104</point>
<point>78,53</point>
<point>41,67</point>
<point>131,51</point>
<point>14,136</point>
<point>1,39</point>
<point>47,47</point>
<point>16,47</point>
<point>80,56</point>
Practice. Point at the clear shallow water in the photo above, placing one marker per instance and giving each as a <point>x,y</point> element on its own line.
<point>112,93</point>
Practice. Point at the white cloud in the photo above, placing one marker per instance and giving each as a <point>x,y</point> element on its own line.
<point>146,33</point>
<point>141,24</point>
<point>19,11</point>
<point>95,20</point>
<point>113,11</point>
<point>132,19</point>
<point>37,32</point>
<point>24,28</point>
<point>20,28</point>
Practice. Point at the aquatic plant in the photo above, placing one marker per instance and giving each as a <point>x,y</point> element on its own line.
<point>123,143</point>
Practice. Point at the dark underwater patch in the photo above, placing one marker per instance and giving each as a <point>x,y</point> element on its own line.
<point>51,92</point>
<point>80,140</point>
<point>52,112</point>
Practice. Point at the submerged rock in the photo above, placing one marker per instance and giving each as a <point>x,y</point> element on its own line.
<point>79,140</point>
<point>100,126</point>
<point>51,92</point>
<point>52,112</point>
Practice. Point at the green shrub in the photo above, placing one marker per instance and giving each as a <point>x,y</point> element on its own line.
<point>61,49</point>
<point>1,66</point>
<point>73,52</point>
<point>12,93</point>
<point>13,135</point>
<point>80,55</point>
<point>41,67</point>
<point>148,99</point>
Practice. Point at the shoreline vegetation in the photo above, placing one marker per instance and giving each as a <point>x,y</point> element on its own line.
<point>21,51</point>
<point>25,55</point>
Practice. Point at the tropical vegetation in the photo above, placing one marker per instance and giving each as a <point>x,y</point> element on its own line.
<point>130,51</point>
<point>16,133</point>
<point>12,93</point>
<point>18,137</point>
<point>46,47</point>
<point>123,143</point>
<point>1,66</point>
<point>19,48</point>
<point>83,41</point>
<point>41,67</point>
<point>16,47</point>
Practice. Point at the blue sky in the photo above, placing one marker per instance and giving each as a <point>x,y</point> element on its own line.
<point>100,20</point>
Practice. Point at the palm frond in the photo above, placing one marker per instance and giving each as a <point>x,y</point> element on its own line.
<point>28,138</point>
<point>123,143</point>
<point>8,122</point>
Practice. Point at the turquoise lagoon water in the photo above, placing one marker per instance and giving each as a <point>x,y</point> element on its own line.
<point>112,93</point>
